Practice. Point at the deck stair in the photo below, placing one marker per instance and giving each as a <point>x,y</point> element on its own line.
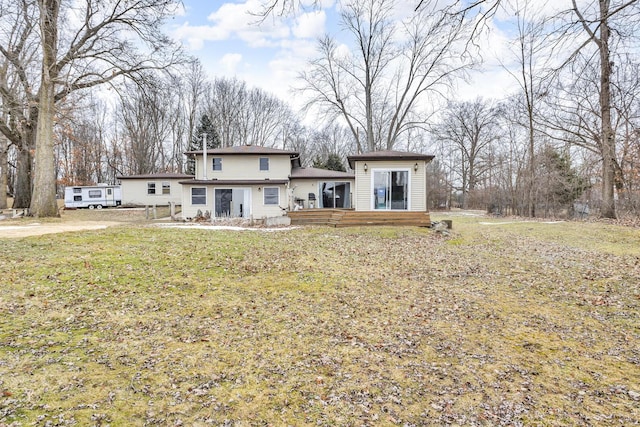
<point>352,218</point>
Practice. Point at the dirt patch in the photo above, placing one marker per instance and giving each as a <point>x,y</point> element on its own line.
<point>74,220</point>
<point>38,229</point>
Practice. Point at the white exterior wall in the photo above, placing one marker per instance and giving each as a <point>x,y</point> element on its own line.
<point>302,187</point>
<point>134,192</point>
<point>257,209</point>
<point>244,167</point>
<point>363,192</point>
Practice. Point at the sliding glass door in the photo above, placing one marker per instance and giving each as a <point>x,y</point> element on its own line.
<point>335,194</point>
<point>391,189</point>
<point>232,203</point>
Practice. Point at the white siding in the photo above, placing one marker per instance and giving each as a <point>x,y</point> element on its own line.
<point>245,167</point>
<point>134,192</point>
<point>256,210</point>
<point>364,190</point>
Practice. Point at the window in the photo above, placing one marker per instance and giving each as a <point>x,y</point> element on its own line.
<point>199,196</point>
<point>166,188</point>
<point>151,188</point>
<point>77,190</point>
<point>264,163</point>
<point>95,194</point>
<point>217,163</point>
<point>77,198</point>
<point>271,195</point>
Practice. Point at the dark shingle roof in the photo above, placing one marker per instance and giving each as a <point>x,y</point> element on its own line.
<point>315,173</point>
<point>245,182</point>
<point>387,155</point>
<point>245,149</point>
<point>165,175</point>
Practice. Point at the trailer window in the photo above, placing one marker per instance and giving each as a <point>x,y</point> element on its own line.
<point>151,188</point>
<point>166,188</point>
<point>95,194</point>
<point>77,190</point>
<point>77,198</point>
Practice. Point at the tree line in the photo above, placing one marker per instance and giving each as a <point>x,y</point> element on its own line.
<point>566,140</point>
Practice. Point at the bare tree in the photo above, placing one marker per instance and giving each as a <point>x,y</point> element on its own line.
<point>248,116</point>
<point>4,170</point>
<point>394,66</point>
<point>146,120</point>
<point>470,128</point>
<point>19,51</point>
<point>98,42</point>
<point>225,102</point>
<point>532,57</point>
<point>196,87</point>
<point>594,24</point>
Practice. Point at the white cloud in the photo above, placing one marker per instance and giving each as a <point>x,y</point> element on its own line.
<point>237,19</point>
<point>195,36</point>
<point>310,25</point>
<point>230,62</point>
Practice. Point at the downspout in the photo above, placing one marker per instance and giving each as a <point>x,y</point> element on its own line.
<point>204,156</point>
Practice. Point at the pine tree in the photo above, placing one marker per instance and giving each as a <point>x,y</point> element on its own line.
<point>333,163</point>
<point>207,127</point>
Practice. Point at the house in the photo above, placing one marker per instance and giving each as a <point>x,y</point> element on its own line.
<point>390,180</point>
<point>242,182</point>
<point>260,182</point>
<point>158,189</point>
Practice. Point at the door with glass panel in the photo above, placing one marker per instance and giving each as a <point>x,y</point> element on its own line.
<point>391,190</point>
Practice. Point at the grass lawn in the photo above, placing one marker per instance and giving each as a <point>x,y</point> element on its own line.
<point>500,323</point>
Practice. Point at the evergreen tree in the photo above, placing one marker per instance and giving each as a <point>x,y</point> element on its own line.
<point>559,183</point>
<point>207,127</point>
<point>333,163</point>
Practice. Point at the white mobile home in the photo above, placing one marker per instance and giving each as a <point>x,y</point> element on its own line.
<point>92,196</point>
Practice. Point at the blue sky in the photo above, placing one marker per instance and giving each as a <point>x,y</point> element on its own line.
<point>230,42</point>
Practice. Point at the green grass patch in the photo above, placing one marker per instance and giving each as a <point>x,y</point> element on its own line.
<point>502,324</point>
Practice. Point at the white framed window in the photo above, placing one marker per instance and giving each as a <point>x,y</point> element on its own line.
<point>166,187</point>
<point>264,163</point>
<point>151,188</point>
<point>198,196</point>
<point>271,195</point>
<point>95,194</point>
<point>217,163</point>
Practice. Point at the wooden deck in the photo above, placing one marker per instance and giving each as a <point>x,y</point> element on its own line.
<point>352,218</point>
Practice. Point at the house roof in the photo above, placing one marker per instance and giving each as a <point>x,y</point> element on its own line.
<point>223,182</point>
<point>245,149</point>
<point>167,175</point>
<point>387,155</point>
<point>316,173</point>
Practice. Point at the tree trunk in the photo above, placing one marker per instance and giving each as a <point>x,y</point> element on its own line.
<point>608,137</point>
<point>22,188</point>
<point>43,202</point>
<point>4,166</point>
